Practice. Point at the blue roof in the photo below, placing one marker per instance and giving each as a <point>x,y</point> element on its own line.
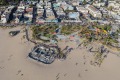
<point>54,20</point>
<point>56,5</point>
<point>73,15</point>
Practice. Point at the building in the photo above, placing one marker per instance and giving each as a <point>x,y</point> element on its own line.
<point>60,12</point>
<point>75,3</point>
<point>47,4</point>
<point>6,14</point>
<point>73,15</point>
<point>49,13</point>
<point>19,12</point>
<point>115,6</point>
<point>40,20</point>
<point>40,10</point>
<point>66,6</point>
<point>28,15</point>
<point>56,5</point>
<point>4,18</point>
<point>72,21</point>
<point>82,9</point>
<point>51,20</point>
<point>93,11</point>
<point>98,4</point>
<point>21,7</point>
<point>17,20</point>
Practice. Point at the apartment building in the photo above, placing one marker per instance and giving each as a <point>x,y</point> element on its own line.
<point>93,11</point>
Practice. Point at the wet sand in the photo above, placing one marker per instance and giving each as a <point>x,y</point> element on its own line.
<point>15,65</point>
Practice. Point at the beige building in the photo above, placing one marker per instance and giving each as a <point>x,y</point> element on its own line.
<point>93,11</point>
<point>81,9</point>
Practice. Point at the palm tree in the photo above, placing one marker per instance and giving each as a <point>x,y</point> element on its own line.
<point>84,2</point>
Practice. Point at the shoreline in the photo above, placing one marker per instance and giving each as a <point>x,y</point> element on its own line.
<point>15,65</point>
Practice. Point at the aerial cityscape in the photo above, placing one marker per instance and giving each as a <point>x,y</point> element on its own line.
<point>59,39</point>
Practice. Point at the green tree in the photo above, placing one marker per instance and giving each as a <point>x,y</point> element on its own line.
<point>3,2</point>
<point>84,2</point>
<point>110,8</point>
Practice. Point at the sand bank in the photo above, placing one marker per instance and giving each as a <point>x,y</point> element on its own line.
<point>15,65</point>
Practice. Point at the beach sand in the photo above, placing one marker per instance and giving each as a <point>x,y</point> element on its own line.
<point>16,65</point>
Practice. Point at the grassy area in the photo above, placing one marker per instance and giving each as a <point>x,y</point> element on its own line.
<point>68,29</point>
<point>96,33</point>
<point>44,30</point>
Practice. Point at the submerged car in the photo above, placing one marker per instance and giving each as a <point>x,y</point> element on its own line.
<point>14,33</point>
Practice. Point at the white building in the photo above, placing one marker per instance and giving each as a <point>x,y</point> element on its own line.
<point>115,6</point>
<point>47,4</point>
<point>29,15</point>
<point>17,20</point>
<point>75,3</point>
<point>60,12</point>
<point>81,9</point>
<point>21,7</point>
<point>3,18</point>
<point>93,11</point>
<point>5,15</point>
<point>40,9</point>
<point>98,3</point>
<point>49,13</point>
<point>72,21</point>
